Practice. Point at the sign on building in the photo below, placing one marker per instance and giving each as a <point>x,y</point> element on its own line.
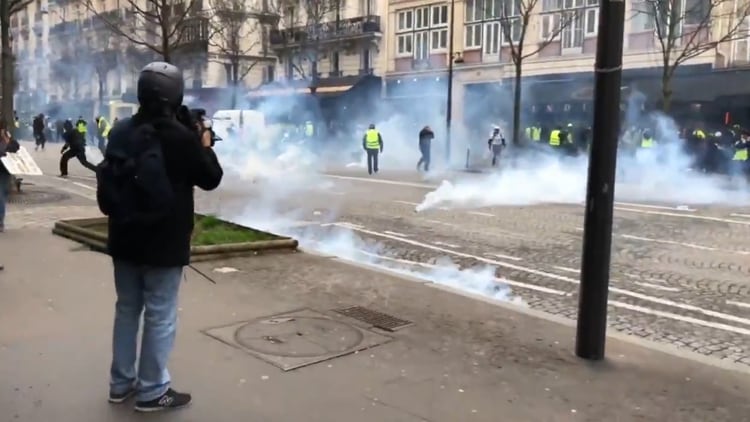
<point>21,163</point>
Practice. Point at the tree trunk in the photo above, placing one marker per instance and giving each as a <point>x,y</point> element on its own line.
<point>666,91</point>
<point>101,94</point>
<point>7,63</point>
<point>517,104</point>
<point>235,83</point>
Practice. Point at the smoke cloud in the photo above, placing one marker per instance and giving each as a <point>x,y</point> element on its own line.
<point>277,171</point>
<point>661,174</point>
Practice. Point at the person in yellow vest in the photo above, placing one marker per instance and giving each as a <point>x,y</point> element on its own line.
<point>740,160</point>
<point>372,142</point>
<point>82,128</point>
<point>534,133</point>
<point>554,137</point>
<point>647,141</point>
<point>309,129</point>
<point>102,133</point>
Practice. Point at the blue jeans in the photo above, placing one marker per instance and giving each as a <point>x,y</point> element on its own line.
<point>4,192</point>
<point>153,292</point>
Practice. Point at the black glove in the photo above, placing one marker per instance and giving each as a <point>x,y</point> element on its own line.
<point>185,117</point>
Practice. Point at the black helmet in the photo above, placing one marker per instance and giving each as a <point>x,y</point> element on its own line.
<point>161,83</point>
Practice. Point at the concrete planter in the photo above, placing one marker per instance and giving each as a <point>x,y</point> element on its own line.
<point>92,232</point>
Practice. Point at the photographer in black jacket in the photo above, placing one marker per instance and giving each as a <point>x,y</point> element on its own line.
<point>145,186</point>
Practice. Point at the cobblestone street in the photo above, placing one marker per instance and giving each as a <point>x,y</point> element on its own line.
<point>679,275</point>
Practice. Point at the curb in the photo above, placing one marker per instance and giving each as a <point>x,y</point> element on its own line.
<point>77,230</point>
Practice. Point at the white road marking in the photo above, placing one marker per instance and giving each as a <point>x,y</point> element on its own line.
<point>553,276</point>
<point>682,318</point>
<point>396,233</point>
<point>483,214</point>
<point>657,287</point>
<point>501,256</point>
<point>83,185</point>
<point>734,214</point>
<point>413,204</point>
<point>740,304</point>
<point>499,280</point>
<point>566,269</point>
<point>449,245</point>
<point>697,217</point>
<point>687,245</point>
<point>656,207</point>
<point>382,181</point>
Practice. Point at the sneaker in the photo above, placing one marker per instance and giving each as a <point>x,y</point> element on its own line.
<point>167,401</point>
<point>121,397</point>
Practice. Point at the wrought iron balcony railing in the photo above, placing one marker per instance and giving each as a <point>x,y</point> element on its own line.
<point>326,31</point>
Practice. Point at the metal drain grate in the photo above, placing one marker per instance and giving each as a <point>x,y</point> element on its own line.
<point>374,318</point>
<point>37,197</point>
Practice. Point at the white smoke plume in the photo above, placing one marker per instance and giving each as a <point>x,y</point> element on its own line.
<point>659,175</point>
<point>277,178</point>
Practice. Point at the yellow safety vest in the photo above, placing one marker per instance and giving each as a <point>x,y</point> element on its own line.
<point>647,143</point>
<point>554,138</point>
<point>699,134</point>
<point>81,127</point>
<point>372,139</point>
<point>104,127</point>
<point>534,133</point>
<point>740,155</point>
<point>17,124</point>
<point>309,129</point>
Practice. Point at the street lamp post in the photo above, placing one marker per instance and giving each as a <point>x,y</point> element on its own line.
<point>449,104</point>
<point>597,236</point>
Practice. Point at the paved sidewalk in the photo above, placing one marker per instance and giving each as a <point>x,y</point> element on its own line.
<point>462,360</point>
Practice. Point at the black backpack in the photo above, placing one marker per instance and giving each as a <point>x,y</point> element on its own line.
<point>132,183</point>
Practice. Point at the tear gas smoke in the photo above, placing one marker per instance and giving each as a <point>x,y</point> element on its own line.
<point>661,174</point>
<point>279,172</point>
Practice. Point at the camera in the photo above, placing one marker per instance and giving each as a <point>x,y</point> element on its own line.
<point>197,116</point>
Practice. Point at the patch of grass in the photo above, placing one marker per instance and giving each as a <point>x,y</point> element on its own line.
<point>210,230</point>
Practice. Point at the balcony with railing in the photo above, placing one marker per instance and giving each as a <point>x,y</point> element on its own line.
<point>65,28</point>
<point>194,34</point>
<point>361,27</point>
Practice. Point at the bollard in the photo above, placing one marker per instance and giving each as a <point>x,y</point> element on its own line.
<point>468,152</point>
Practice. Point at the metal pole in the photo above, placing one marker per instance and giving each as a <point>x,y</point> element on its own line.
<point>449,104</point>
<point>597,235</point>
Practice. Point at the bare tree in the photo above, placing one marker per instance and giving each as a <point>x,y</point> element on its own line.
<point>8,8</point>
<point>157,25</point>
<point>235,37</point>
<point>317,19</point>
<point>516,19</point>
<point>686,29</point>
<point>103,60</point>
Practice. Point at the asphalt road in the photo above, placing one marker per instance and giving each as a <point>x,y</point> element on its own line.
<point>679,274</point>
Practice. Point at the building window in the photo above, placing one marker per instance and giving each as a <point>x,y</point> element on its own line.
<point>473,36</point>
<point>642,19</point>
<point>421,31</point>
<point>366,60</point>
<point>490,24</point>
<point>578,18</point>
<point>491,38</point>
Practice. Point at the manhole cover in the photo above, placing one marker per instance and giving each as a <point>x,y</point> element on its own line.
<point>36,197</point>
<point>374,318</point>
<point>296,339</point>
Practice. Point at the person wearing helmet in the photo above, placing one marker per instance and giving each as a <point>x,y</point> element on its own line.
<point>496,143</point>
<point>145,186</point>
<point>372,142</point>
